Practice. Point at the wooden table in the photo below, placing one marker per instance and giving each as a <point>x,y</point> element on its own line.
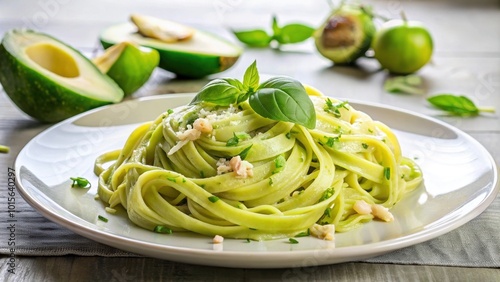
<point>466,61</point>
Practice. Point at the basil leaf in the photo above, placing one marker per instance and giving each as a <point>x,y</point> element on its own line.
<point>284,99</point>
<point>411,84</point>
<point>457,105</point>
<point>80,182</point>
<point>245,151</point>
<point>251,78</point>
<point>294,33</point>
<point>220,91</point>
<point>254,38</point>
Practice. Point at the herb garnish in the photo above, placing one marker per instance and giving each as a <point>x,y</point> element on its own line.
<point>237,136</point>
<point>162,229</point>
<point>387,173</point>
<point>279,164</point>
<point>102,218</point>
<point>4,149</point>
<point>457,105</point>
<point>327,194</point>
<point>245,151</point>
<point>304,233</point>
<point>80,182</point>
<point>334,109</point>
<point>213,199</point>
<point>293,241</point>
<point>411,84</point>
<point>279,98</point>
<point>290,33</point>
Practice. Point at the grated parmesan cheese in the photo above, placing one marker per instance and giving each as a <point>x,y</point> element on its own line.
<point>326,232</point>
<point>382,213</point>
<point>362,207</point>
<point>218,239</point>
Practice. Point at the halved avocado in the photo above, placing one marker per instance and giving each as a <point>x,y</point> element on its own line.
<point>49,80</point>
<point>346,34</point>
<point>128,64</point>
<point>201,55</point>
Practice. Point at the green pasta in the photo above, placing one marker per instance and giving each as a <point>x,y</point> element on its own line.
<point>273,179</point>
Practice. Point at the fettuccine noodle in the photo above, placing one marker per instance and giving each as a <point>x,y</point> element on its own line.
<point>292,177</point>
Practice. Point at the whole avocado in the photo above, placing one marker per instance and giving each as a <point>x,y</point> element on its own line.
<point>346,34</point>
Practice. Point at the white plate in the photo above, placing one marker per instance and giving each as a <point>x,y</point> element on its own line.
<point>460,182</point>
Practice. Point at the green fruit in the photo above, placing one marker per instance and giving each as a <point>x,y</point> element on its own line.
<point>195,56</point>
<point>402,47</point>
<point>346,34</point>
<point>128,64</point>
<point>49,80</point>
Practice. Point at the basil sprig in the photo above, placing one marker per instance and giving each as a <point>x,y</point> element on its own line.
<point>457,105</point>
<point>279,98</point>
<point>288,34</point>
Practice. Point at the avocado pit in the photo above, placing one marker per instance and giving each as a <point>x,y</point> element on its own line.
<point>339,32</point>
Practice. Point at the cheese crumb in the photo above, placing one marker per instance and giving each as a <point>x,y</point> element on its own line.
<point>326,232</point>
<point>243,169</point>
<point>203,125</point>
<point>382,213</point>
<point>362,207</point>
<point>218,239</point>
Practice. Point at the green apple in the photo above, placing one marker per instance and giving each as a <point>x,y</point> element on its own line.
<point>128,64</point>
<point>402,46</point>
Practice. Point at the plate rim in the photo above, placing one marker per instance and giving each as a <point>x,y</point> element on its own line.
<point>260,259</point>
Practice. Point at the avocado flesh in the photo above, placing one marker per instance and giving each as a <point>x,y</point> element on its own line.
<point>202,55</point>
<point>128,64</point>
<point>49,80</point>
<point>345,36</point>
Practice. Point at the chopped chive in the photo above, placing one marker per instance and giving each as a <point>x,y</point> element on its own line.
<point>279,163</point>
<point>387,173</point>
<point>170,111</point>
<point>328,212</point>
<point>303,234</point>
<point>293,241</point>
<point>247,240</point>
<point>270,181</point>
<point>4,149</point>
<point>365,146</point>
<point>171,179</point>
<point>213,199</point>
<point>252,228</point>
<point>162,229</point>
<point>102,218</point>
<point>327,194</point>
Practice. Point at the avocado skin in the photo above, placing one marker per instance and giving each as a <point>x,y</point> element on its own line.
<point>47,101</point>
<point>189,65</point>
<point>135,77</point>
